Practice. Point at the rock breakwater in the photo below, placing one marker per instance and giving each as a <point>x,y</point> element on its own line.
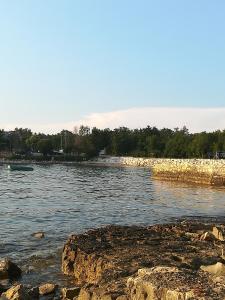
<point>197,171</point>
<point>210,172</point>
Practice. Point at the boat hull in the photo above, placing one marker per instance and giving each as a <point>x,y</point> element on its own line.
<point>19,168</point>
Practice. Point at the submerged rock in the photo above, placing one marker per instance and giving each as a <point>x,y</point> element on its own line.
<point>8,269</point>
<point>38,235</point>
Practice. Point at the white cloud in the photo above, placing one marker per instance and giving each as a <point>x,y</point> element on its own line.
<point>195,119</point>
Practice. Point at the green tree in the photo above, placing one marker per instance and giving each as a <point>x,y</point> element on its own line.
<point>45,146</point>
<point>200,145</point>
<point>177,145</point>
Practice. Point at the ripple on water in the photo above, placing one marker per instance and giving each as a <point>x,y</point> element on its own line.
<point>60,199</point>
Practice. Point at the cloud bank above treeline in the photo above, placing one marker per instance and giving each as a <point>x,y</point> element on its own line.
<point>195,119</point>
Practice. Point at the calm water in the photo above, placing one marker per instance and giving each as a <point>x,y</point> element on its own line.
<point>60,200</point>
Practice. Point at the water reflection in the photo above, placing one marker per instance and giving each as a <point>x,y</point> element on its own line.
<point>190,199</point>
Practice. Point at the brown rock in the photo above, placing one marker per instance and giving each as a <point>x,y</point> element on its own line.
<point>89,266</point>
<point>47,288</point>
<point>18,292</point>
<point>8,269</point>
<point>84,295</point>
<point>96,296</point>
<point>168,283</point>
<point>218,233</point>
<point>216,269</point>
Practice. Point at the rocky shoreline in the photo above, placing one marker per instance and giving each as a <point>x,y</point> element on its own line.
<point>177,261</point>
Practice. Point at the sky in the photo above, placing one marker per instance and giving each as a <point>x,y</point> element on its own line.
<point>111,63</point>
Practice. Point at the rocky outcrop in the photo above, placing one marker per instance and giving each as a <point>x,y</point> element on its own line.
<point>157,262</point>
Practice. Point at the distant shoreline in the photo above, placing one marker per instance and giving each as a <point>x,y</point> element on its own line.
<point>69,163</point>
<point>34,162</point>
<point>195,171</point>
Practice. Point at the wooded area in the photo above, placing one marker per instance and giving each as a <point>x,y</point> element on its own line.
<point>144,142</point>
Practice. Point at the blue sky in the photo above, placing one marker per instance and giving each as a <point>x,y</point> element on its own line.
<point>62,61</point>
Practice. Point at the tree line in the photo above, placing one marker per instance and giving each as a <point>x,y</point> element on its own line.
<point>122,141</point>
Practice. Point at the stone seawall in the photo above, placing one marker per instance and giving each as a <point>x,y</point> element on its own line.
<point>199,171</point>
<point>129,161</point>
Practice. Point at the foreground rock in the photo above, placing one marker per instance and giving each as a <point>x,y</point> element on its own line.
<point>20,292</point>
<point>9,270</point>
<point>157,262</point>
<point>47,288</point>
<point>170,283</point>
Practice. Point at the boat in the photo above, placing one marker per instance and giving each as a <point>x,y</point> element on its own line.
<point>19,168</point>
